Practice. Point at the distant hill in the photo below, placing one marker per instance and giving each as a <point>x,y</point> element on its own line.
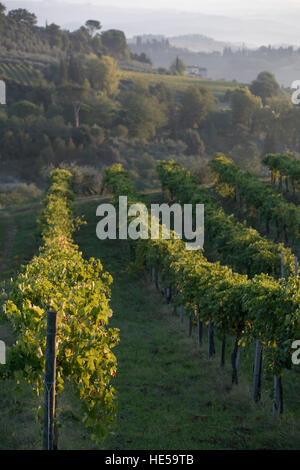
<point>231,63</point>
<point>42,45</point>
<point>200,43</point>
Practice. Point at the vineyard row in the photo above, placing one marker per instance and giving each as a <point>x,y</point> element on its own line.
<point>60,279</point>
<point>261,309</point>
<point>269,205</point>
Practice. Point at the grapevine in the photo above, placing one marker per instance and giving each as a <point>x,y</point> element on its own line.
<point>79,290</point>
<point>233,302</point>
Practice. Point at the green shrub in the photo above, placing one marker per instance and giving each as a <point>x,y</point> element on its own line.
<point>21,194</point>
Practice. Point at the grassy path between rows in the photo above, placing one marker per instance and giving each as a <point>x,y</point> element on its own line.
<point>170,395</point>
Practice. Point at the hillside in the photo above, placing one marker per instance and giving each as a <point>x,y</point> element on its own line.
<point>19,72</point>
<point>180,83</point>
<point>20,37</point>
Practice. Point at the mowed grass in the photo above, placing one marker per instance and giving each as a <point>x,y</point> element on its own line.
<point>180,83</point>
<point>19,240</point>
<point>170,395</point>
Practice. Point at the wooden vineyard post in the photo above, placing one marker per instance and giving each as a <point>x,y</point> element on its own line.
<point>50,379</point>
<point>190,325</point>
<point>235,359</point>
<point>256,393</point>
<point>162,287</point>
<point>200,327</point>
<point>153,274</point>
<point>287,184</point>
<point>168,295</point>
<point>296,266</point>
<point>211,342</point>
<point>181,313</point>
<point>175,307</point>
<point>278,397</point>
<point>223,352</point>
<point>278,394</point>
<point>280,183</point>
<point>235,356</point>
<point>156,279</point>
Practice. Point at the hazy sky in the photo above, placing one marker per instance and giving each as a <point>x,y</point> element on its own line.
<point>254,22</point>
<point>231,7</point>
